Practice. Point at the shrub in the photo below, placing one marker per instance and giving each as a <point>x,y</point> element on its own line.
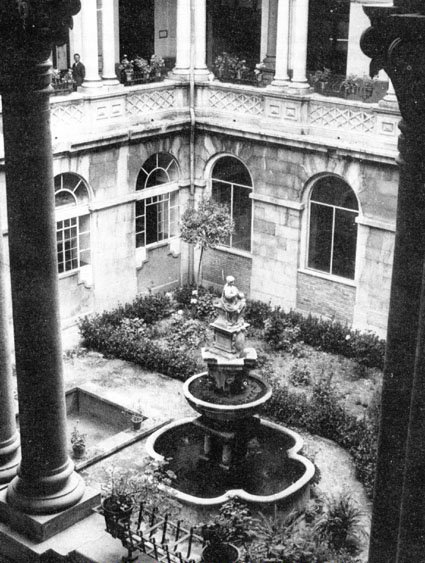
<point>280,333</point>
<point>330,336</point>
<point>339,525</point>
<point>190,333</point>
<point>256,313</point>
<point>198,302</point>
<point>300,375</point>
<point>322,414</point>
<point>126,343</point>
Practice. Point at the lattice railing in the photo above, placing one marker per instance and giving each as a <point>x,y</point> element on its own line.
<point>239,102</point>
<point>340,117</point>
<point>147,102</point>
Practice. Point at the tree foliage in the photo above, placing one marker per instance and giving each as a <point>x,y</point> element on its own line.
<point>206,226</point>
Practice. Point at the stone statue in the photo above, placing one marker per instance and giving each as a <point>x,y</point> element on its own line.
<point>232,302</point>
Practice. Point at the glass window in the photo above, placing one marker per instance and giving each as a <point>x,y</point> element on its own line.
<point>333,229</point>
<point>232,186</point>
<point>73,222</point>
<point>157,211</point>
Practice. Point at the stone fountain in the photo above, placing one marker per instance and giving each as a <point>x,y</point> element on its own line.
<point>228,451</point>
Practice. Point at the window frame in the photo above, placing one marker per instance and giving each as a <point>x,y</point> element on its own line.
<point>167,189</point>
<point>212,179</point>
<point>77,212</point>
<point>357,212</point>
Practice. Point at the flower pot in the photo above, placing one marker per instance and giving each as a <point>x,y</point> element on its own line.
<point>220,553</point>
<point>117,511</point>
<point>78,451</point>
<point>136,422</point>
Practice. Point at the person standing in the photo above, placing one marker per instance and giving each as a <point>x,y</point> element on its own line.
<point>78,71</point>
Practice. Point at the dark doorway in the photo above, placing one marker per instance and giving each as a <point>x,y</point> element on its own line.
<point>234,26</point>
<point>137,28</point>
<point>328,35</point>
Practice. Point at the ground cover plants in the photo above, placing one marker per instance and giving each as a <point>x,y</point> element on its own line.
<point>325,376</point>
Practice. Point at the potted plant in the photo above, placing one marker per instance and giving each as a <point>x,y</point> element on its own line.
<point>217,549</point>
<point>320,78</point>
<point>157,64</point>
<point>126,69</point>
<point>349,85</point>
<point>368,85</point>
<point>118,499</point>
<point>142,66</point>
<point>137,416</point>
<point>240,68</point>
<point>78,441</point>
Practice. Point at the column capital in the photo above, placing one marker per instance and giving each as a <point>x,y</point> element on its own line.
<point>395,43</point>
<point>28,31</point>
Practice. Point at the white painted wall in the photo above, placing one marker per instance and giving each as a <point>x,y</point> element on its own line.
<point>165,24</point>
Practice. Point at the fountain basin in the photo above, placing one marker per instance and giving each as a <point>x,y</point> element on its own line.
<point>217,406</point>
<point>275,473</point>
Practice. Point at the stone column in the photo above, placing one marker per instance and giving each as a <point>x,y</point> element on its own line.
<point>264,28</point>
<point>281,77</point>
<point>395,43</point>
<point>270,60</point>
<point>183,39</point>
<point>46,481</point>
<point>299,46</point>
<point>9,438</point>
<point>200,25</point>
<point>108,43</point>
<point>90,55</point>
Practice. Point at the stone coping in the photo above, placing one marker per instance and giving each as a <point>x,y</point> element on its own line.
<point>286,496</point>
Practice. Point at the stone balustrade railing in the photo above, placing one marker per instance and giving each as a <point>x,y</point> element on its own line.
<point>309,118</point>
<point>139,110</point>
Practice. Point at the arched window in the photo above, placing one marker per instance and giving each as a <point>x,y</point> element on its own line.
<point>332,227</point>
<point>72,222</point>
<point>231,185</point>
<point>157,205</point>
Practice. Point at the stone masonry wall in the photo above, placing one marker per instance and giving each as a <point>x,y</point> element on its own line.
<point>325,297</point>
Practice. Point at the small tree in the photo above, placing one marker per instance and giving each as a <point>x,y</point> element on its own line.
<point>206,226</point>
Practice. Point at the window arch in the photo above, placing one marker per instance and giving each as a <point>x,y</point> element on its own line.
<point>72,222</point>
<point>231,185</point>
<point>332,239</point>
<point>157,203</point>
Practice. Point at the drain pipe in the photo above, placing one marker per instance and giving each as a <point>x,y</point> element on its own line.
<point>192,133</point>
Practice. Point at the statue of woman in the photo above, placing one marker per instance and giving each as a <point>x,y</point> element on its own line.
<point>232,302</point>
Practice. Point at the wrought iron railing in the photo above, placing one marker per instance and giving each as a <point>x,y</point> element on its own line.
<point>139,77</point>
<point>155,536</point>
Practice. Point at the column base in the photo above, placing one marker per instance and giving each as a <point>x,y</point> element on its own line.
<point>201,74</point>
<point>47,495</point>
<point>10,456</point>
<point>110,82</point>
<point>90,85</point>
<point>279,85</point>
<point>179,74</point>
<point>42,527</point>
<point>301,88</point>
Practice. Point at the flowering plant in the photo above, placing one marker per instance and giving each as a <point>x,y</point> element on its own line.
<point>78,439</point>
<point>157,62</point>
<point>141,64</point>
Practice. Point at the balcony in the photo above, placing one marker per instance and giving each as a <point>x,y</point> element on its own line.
<point>141,110</point>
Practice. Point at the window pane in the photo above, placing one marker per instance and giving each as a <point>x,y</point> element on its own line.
<point>232,170</point>
<point>320,242</point>
<point>157,178</point>
<point>334,191</point>
<point>241,237</point>
<point>84,258</point>
<point>222,193</point>
<point>151,223</point>
<point>345,239</point>
<point>64,198</point>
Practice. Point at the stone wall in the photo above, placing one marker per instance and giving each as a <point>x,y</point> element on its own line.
<point>325,297</point>
<point>282,178</point>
